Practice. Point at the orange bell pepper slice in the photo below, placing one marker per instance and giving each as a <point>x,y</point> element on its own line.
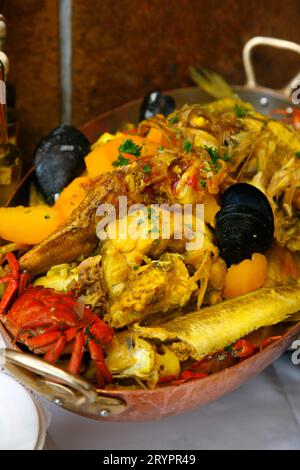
<point>104,157</point>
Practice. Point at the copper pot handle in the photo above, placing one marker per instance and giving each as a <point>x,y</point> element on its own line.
<point>272,42</point>
<point>59,386</point>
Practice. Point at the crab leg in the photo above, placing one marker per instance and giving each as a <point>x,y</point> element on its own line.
<point>13,264</point>
<point>43,339</point>
<point>24,278</point>
<point>101,331</point>
<point>99,361</point>
<point>5,279</point>
<point>12,279</point>
<point>8,294</point>
<point>99,375</point>
<point>77,353</point>
<point>32,324</point>
<point>53,354</point>
<point>71,333</point>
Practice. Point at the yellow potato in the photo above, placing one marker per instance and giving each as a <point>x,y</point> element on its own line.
<point>28,225</point>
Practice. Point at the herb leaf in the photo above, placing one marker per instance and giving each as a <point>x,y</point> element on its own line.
<point>297,154</point>
<point>187,145</point>
<point>147,168</point>
<point>229,349</point>
<point>213,153</point>
<point>121,161</point>
<point>240,111</point>
<point>227,157</point>
<point>128,146</point>
<point>174,119</point>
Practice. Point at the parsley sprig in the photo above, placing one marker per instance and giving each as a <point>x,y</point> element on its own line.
<point>187,146</point>
<point>173,119</point>
<point>240,111</point>
<point>226,157</point>
<point>147,168</point>
<point>213,153</point>
<point>128,146</point>
<point>121,161</point>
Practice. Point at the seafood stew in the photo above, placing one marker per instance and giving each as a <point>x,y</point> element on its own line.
<point>117,310</point>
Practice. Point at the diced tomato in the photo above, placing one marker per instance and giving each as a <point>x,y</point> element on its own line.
<point>265,342</point>
<point>243,348</point>
<point>183,377</point>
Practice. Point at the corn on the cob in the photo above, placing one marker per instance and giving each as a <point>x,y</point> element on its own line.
<point>212,328</point>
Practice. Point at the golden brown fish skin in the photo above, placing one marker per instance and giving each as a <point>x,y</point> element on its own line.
<point>209,330</point>
<point>77,236</point>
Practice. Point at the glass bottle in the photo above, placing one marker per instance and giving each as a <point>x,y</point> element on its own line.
<point>10,156</point>
<point>12,116</point>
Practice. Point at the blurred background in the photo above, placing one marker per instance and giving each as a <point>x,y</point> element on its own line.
<point>121,49</point>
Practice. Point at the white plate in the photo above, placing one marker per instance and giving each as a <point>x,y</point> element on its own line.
<point>19,417</point>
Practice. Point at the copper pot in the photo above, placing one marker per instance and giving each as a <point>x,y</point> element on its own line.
<point>79,396</point>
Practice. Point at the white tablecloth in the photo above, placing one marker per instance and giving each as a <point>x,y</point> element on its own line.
<point>263,414</point>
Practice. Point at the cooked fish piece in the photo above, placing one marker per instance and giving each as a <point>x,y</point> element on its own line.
<point>77,236</point>
<point>283,267</point>
<point>209,330</point>
<point>210,147</point>
<point>130,356</point>
<point>157,287</point>
<point>147,234</point>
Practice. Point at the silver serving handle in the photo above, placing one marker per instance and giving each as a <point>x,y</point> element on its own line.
<point>272,42</point>
<point>59,386</point>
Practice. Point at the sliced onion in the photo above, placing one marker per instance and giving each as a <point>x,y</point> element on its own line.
<point>79,309</point>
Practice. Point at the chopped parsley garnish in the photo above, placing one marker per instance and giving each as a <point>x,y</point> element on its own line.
<point>213,153</point>
<point>240,111</point>
<point>203,184</point>
<point>173,119</point>
<point>135,267</point>
<point>297,154</point>
<point>226,157</point>
<point>88,332</point>
<point>187,145</point>
<point>229,349</point>
<point>161,148</point>
<point>128,146</point>
<point>147,168</point>
<point>121,161</point>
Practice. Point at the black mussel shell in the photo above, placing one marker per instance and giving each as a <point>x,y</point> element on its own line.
<point>245,223</point>
<point>59,158</point>
<point>156,103</point>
